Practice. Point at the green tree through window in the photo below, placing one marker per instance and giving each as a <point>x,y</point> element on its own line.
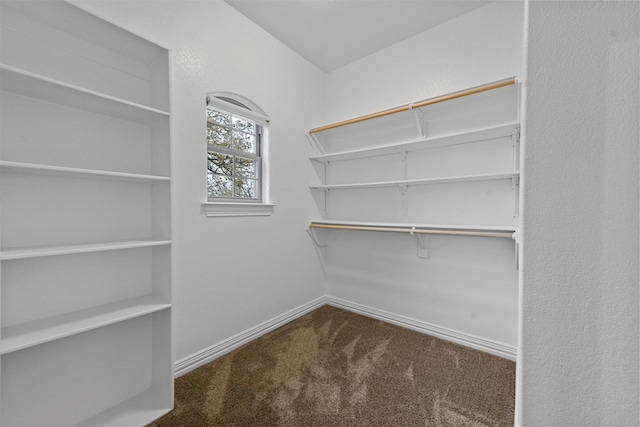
<point>234,159</point>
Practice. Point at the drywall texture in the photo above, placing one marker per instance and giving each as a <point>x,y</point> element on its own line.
<point>469,284</point>
<point>579,339</point>
<point>231,274</point>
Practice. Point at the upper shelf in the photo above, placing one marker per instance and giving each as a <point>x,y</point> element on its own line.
<point>34,252</point>
<point>426,181</point>
<point>32,85</point>
<point>422,144</point>
<point>66,171</point>
<point>417,105</point>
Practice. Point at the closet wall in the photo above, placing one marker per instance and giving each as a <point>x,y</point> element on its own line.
<point>581,308</point>
<point>469,284</point>
<point>231,274</point>
<point>215,296</point>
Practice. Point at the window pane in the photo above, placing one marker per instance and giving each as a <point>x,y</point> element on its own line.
<point>244,142</point>
<point>245,167</point>
<point>219,117</point>
<point>245,188</point>
<point>244,125</point>
<point>218,135</point>
<point>220,163</point>
<point>219,186</point>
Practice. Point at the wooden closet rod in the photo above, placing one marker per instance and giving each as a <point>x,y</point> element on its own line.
<point>507,234</point>
<point>419,104</point>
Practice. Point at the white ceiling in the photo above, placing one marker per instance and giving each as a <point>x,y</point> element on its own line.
<point>333,33</point>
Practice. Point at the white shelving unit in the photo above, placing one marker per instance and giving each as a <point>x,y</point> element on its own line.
<point>423,143</point>
<point>424,181</point>
<point>85,221</point>
<point>466,142</point>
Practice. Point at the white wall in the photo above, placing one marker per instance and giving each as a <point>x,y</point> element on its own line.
<point>579,343</point>
<point>469,284</point>
<point>216,294</point>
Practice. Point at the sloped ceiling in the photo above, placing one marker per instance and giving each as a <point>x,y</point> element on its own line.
<point>333,33</point>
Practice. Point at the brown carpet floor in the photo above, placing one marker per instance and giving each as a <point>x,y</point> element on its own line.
<point>332,368</point>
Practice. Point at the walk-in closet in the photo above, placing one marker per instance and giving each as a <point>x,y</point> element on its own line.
<point>319,213</point>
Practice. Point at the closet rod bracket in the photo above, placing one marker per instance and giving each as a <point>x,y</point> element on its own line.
<point>424,243</point>
<point>315,144</point>
<point>516,238</point>
<point>420,122</point>
<point>312,233</point>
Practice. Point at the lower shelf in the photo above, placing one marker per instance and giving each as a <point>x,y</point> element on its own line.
<point>138,411</point>
<point>117,375</point>
<point>26,335</point>
<point>469,230</point>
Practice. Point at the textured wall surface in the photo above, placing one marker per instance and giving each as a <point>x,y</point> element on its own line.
<point>231,274</point>
<point>579,341</point>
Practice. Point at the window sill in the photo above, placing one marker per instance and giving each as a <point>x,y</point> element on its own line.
<point>216,209</point>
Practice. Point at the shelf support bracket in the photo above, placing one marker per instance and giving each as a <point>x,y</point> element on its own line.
<point>420,123</point>
<point>312,233</point>
<point>315,144</point>
<point>326,202</point>
<point>405,199</point>
<point>326,191</point>
<point>403,156</point>
<point>515,144</point>
<point>515,187</point>
<point>424,244</point>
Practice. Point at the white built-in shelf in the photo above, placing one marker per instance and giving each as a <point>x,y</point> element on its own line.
<point>445,227</point>
<point>422,144</point>
<point>66,171</point>
<point>427,181</point>
<point>29,334</point>
<point>33,252</point>
<point>32,85</point>
<point>137,411</point>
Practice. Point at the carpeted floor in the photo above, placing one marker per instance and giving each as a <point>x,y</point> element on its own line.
<point>332,368</point>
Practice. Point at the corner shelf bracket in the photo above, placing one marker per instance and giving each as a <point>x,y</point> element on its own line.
<point>312,233</point>
<point>315,144</point>
<point>424,244</point>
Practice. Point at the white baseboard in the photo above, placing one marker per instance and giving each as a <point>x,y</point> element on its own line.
<point>211,353</point>
<point>488,346</point>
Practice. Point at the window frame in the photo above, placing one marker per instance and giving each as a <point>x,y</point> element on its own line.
<point>239,206</point>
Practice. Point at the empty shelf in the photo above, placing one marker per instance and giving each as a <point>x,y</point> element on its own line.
<point>137,411</point>
<point>66,171</point>
<point>427,181</point>
<point>32,252</point>
<point>43,88</point>
<point>459,230</point>
<point>422,144</point>
<point>26,335</point>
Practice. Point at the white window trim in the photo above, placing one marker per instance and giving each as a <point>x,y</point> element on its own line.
<point>218,209</point>
<point>240,208</point>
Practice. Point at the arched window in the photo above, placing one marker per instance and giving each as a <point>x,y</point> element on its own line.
<point>236,156</point>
